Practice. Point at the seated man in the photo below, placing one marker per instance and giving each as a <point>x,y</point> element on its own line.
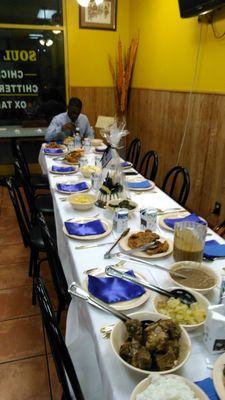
<point>64,124</point>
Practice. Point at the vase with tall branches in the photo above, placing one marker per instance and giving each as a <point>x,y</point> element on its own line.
<point>121,73</point>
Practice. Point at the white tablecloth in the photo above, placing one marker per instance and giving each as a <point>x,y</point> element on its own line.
<point>101,374</point>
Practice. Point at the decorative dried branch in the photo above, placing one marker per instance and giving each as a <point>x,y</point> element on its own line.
<point>113,74</point>
<point>122,74</point>
<point>120,67</point>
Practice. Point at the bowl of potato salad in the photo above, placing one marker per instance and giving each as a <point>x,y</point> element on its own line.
<point>82,201</point>
<point>189,317</point>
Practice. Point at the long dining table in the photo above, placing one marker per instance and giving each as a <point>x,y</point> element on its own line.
<point>100,372</point>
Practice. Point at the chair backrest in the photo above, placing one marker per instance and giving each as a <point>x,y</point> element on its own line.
<point>63,362</point>
<point>20,209</point>
<point>20,157</point>
<point>149,165</point>
<point>25,182</point>
<point>220,229</point>
<point>177,184</point>
<point>57,273</point>
<point>134,152</point>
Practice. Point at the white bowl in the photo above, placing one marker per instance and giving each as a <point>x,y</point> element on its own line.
<point>87,170</point>
<point>119,333</point>
<point>142,386</point>
<point>195,265</point>
<point>201,300</point>
<point>97,142</point>
<point>73,199</point>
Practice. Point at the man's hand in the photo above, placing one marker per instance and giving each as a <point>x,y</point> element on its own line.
<point>68,127</point>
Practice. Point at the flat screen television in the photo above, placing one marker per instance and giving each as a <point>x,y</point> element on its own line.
<point>191,8</point>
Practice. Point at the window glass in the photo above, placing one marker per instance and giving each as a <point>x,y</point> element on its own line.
<point>32,12</point>
<point>32,75</point>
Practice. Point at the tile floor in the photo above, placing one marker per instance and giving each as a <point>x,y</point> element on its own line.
<point>23,366</point>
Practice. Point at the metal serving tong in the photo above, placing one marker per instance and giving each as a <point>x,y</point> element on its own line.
<point>107,255</point>
<point>181,294</point>
<point>77,291</point>
<point>151,245</point>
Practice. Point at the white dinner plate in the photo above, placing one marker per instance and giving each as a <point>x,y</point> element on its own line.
<point>174,215</point>
<point>124,246</point>
<point>100,152</point>
<point>71,183</point>
<point>130,165</point>
<point>62,146</point>
<point>63,173</point>
<point>139,179</point>
<point>69,163</point>
<point>218,377</point>
<point>106,224</point>
<point>142,386</point>
<point>77,162</point>
<point>123,305</point>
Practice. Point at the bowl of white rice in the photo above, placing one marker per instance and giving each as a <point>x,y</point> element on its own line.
<point>167,387</point>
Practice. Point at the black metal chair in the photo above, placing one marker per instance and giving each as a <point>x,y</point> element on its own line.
<point>220,229</point>
<point>133,152</point>
<point>177,184</point>
<point>36,203</point>
<point>149,165</point>
<point>37,181</point>
<point>31,233</point>
<point>64,366</point>
<point>56,268</point>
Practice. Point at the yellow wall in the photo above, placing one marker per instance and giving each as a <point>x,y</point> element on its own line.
<point>167,51</point>
<point>88,49</point>
<point>168,48</point>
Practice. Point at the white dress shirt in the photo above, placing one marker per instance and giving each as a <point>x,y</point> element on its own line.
<point>54,131</point>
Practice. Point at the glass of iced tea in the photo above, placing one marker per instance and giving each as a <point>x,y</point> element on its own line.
<point>189,241</point>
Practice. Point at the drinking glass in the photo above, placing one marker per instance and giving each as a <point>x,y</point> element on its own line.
<point>189,241</point>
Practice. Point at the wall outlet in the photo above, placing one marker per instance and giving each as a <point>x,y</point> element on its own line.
<point>217,208</point>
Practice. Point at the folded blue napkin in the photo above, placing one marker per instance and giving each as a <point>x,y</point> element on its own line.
<point>53,151</point>
<point>125,164</point>
<point>214,249</point>
<point>139,185</point>
<point>76,187</point>
<point>112,290</point>
<point>63,169</point>
<point>85,229</point>
<point>207,386</point>
<point>191,217</point>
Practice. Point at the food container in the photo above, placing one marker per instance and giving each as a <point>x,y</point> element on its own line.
<point>87,170</point>
<point>113,205</point>
<point>97,142</point>
<point>200,299</point>
<point>76,201</point>
<point>197,267</point>
<point>142,386</point>
<point>119,333</point>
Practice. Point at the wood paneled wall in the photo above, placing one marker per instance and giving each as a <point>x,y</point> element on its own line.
<point>96,101</point>
<point>158,118</point>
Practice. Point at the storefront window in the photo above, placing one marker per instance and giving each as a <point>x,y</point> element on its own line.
<point>32,75</point>
<point>34,12</point>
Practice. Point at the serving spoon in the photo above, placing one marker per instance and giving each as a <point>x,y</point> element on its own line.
<point>181,294</point>
<point>137,260</point>
<point>76,290</point>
